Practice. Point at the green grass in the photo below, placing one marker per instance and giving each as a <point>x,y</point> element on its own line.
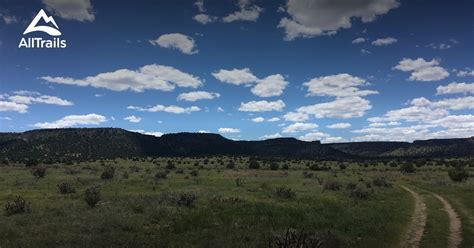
<point>138,211</point>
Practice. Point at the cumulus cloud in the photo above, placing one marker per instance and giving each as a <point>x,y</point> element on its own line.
<point>156,134</point>
<point>182,42</point>
<point>313,136</point>
<point>168,109</point>
<point>235,76</point>
<point>274,119</point>
<point>197,95</point>
<point>204,18</point>
<point>464,73</point>
<point>346,107</point>
<point>13,107</point>
<point>384,41</point>
<point>340,85</point>
<point>298,127</point>
<point>79,10</point>
<point>296,116</point>
<point>247,12</point>
<point>271,136</point>
<point>228,130</point>
<point>272,85</point>
<point>132,118</point>
<point>453,88</point>
<point>422,70</point>
<point>258,119</point>
<point>262,106</point>
<point>21,99</point>
<point>339,125</point>
<point>358,40</point>
<point>73,120</point>
<point>310,18</point>
<point>148,77</point>
<point>269,86</point>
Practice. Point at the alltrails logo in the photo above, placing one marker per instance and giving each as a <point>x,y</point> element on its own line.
<point>38,42</point>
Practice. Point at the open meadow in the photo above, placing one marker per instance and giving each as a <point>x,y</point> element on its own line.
<point>221,202</point>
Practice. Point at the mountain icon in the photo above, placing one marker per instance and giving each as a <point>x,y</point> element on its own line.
<point>47,29</point>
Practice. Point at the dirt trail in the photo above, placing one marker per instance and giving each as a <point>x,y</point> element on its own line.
<point>454,239</point>
<point>418,222</point>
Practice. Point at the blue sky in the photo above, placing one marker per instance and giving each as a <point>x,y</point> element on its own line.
<point>312,69</point>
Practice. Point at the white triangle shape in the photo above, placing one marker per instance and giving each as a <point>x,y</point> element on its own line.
<point>47,29</point>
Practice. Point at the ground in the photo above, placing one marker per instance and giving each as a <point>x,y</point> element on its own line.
<point>201,203</point>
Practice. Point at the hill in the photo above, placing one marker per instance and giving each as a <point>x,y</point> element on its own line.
<point>107,143</point>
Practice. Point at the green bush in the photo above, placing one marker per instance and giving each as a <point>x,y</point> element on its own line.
<point>17,206</point>
<point>284,192</point>
<point>187,199</point>
<point>332,185</point>
<point>407,168</point>
<point>274,166</point>
<point>359,193</point>
<point>458,174</point>
<point>39,172</point>
<point>66,188</point>
<point>92,196</point>
<point>231,165</point>
<point>381,182</point>
<point>254,164</point>
<point>170,165</point>
<point>108,173</point>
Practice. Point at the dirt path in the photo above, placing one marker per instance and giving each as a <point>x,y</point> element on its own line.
<point>454,239</point>
<point>418,222</point>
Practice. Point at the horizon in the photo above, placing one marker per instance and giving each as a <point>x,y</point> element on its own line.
<point>248,70</point>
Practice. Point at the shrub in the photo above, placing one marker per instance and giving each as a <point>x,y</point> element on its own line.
<point>458,174</point>
<point>187,199</point>
<point>92,196</point>
<point>274,166</point>
<point>170,165</point>
<point>125,175</point>
<point>72,171</point>
<point>66,188</point>
<point>284,192</point>
<point>254,164</point>
<point>332,185</point>
<point>359,193</point>
<point>161,175</point>
<point>381,182</point>
<point>108,173</point>
<point>303,238</point>
<point>194,173</point>
<point>342,166</point>
<point>39,172</point>
<point>407,168</point>
<point>231,165</point>
<point>239,182</point>
<point>179,171</point>
<point>17,206</point>
<point>285,167</point>
<point>307,174</point>
<point>31,162</point>
<point>351,186</point>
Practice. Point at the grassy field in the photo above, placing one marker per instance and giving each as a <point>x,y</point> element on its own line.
<point>202,203</point>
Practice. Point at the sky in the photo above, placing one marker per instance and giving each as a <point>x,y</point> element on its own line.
<point>328,70</point>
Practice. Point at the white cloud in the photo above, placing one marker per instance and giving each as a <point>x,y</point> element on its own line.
<point>340,85</point>
<point>73,120</point>
<point>197,95</point>
<point>466,72</point>
<point>359,40</point>
<point>220,109</point>
<point>384,41</point>
<point>178,41</point>
<point>132,118</point>
<point>271,136</point>
<point>309,18</point>
<point>412,113</point>
<point>313,136</point>
<point>262,106</point>
<point>8,19</point>
<point>274,119</point>
<point>246,12</point>
<point>235,76</point>
<point>13,107</point>
<point>454,88</point>
<point>228,130</point>
<point>298,127</point>
<point>204,18</point>
<point>203,131</point>
<point>384,124</point>
<point>169,109</point>
<point>408,133</point>
<point>346,107</point>
<point>22,99</point>
<point>364,51</point>
<point>156,134</point>
<point>272,85</point>
<point>5,118</point>
<point>148,77</point>
<point>258,119</point>
<point>339,125</point>
<point>334,140</point>
<point>296,116</point>
<point>422,70</point>
<point>79,10</point>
